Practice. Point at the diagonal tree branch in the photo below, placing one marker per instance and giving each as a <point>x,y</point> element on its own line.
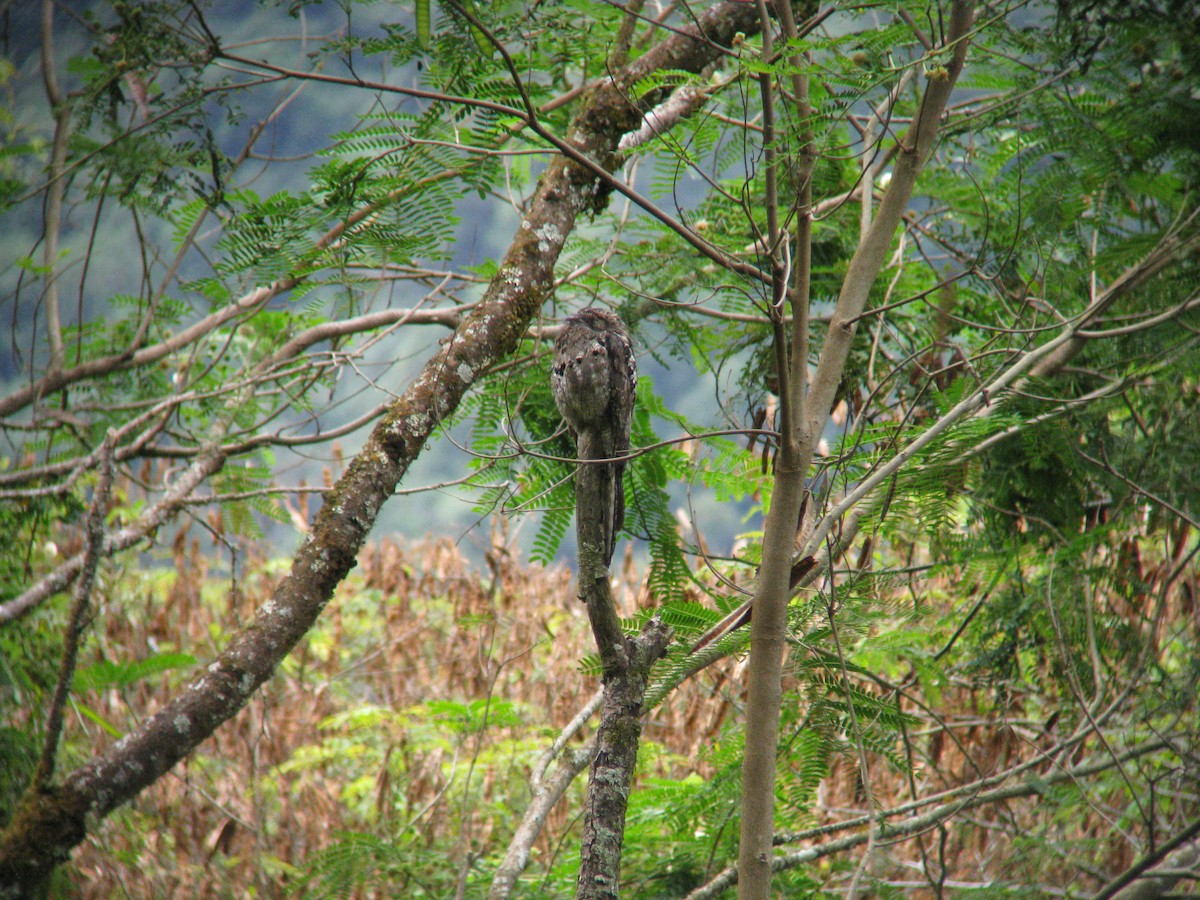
<point>903,822</point>
<point>1159,871</point>
<point>49,823</point>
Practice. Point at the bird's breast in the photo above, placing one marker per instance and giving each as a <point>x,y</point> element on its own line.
<point>584,390</point>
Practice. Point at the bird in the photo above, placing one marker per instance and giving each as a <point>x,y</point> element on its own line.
<point>593,379</point>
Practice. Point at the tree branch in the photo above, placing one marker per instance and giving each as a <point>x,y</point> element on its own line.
<point>49,823</point>
<point>78,620</point>
<point>56,187</point>
<point>547,793</point>
<point>798,439</point>
<point>892,828</point>
<point>1159,871</point>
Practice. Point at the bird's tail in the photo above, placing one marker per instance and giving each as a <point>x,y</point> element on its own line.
<point>610,493</point>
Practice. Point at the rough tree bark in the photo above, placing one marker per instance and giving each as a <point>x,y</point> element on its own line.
<point>626,663</point>
<point>54,818</point>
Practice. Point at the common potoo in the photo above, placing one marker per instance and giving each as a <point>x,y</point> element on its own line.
<point>593,380</point>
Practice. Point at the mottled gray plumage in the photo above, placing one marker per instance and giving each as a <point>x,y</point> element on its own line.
<point>593,380</point>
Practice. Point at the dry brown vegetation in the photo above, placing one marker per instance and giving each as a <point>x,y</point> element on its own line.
<point>376,724</point>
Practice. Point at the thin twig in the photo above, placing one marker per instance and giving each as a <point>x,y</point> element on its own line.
<point>78,620</point>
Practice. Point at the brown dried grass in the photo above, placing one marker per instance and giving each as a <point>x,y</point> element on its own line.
<point>416,625</point>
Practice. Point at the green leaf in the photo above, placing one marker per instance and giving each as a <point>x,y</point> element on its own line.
<point>105,674</point>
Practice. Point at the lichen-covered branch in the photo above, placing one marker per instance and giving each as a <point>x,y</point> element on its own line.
<point>617,740</point>
<point>50,821</point>
<point>626,665</point>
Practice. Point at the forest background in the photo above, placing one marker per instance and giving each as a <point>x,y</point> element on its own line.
<point>914,292</point>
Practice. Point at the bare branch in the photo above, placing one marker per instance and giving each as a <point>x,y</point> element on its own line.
<point>56,187</point>
<point>975,795</point>
<point>207,463</point>
<point>78,620</point>
<point>547,793</point>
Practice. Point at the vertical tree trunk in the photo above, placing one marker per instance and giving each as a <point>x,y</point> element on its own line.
<point>803,418</point>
